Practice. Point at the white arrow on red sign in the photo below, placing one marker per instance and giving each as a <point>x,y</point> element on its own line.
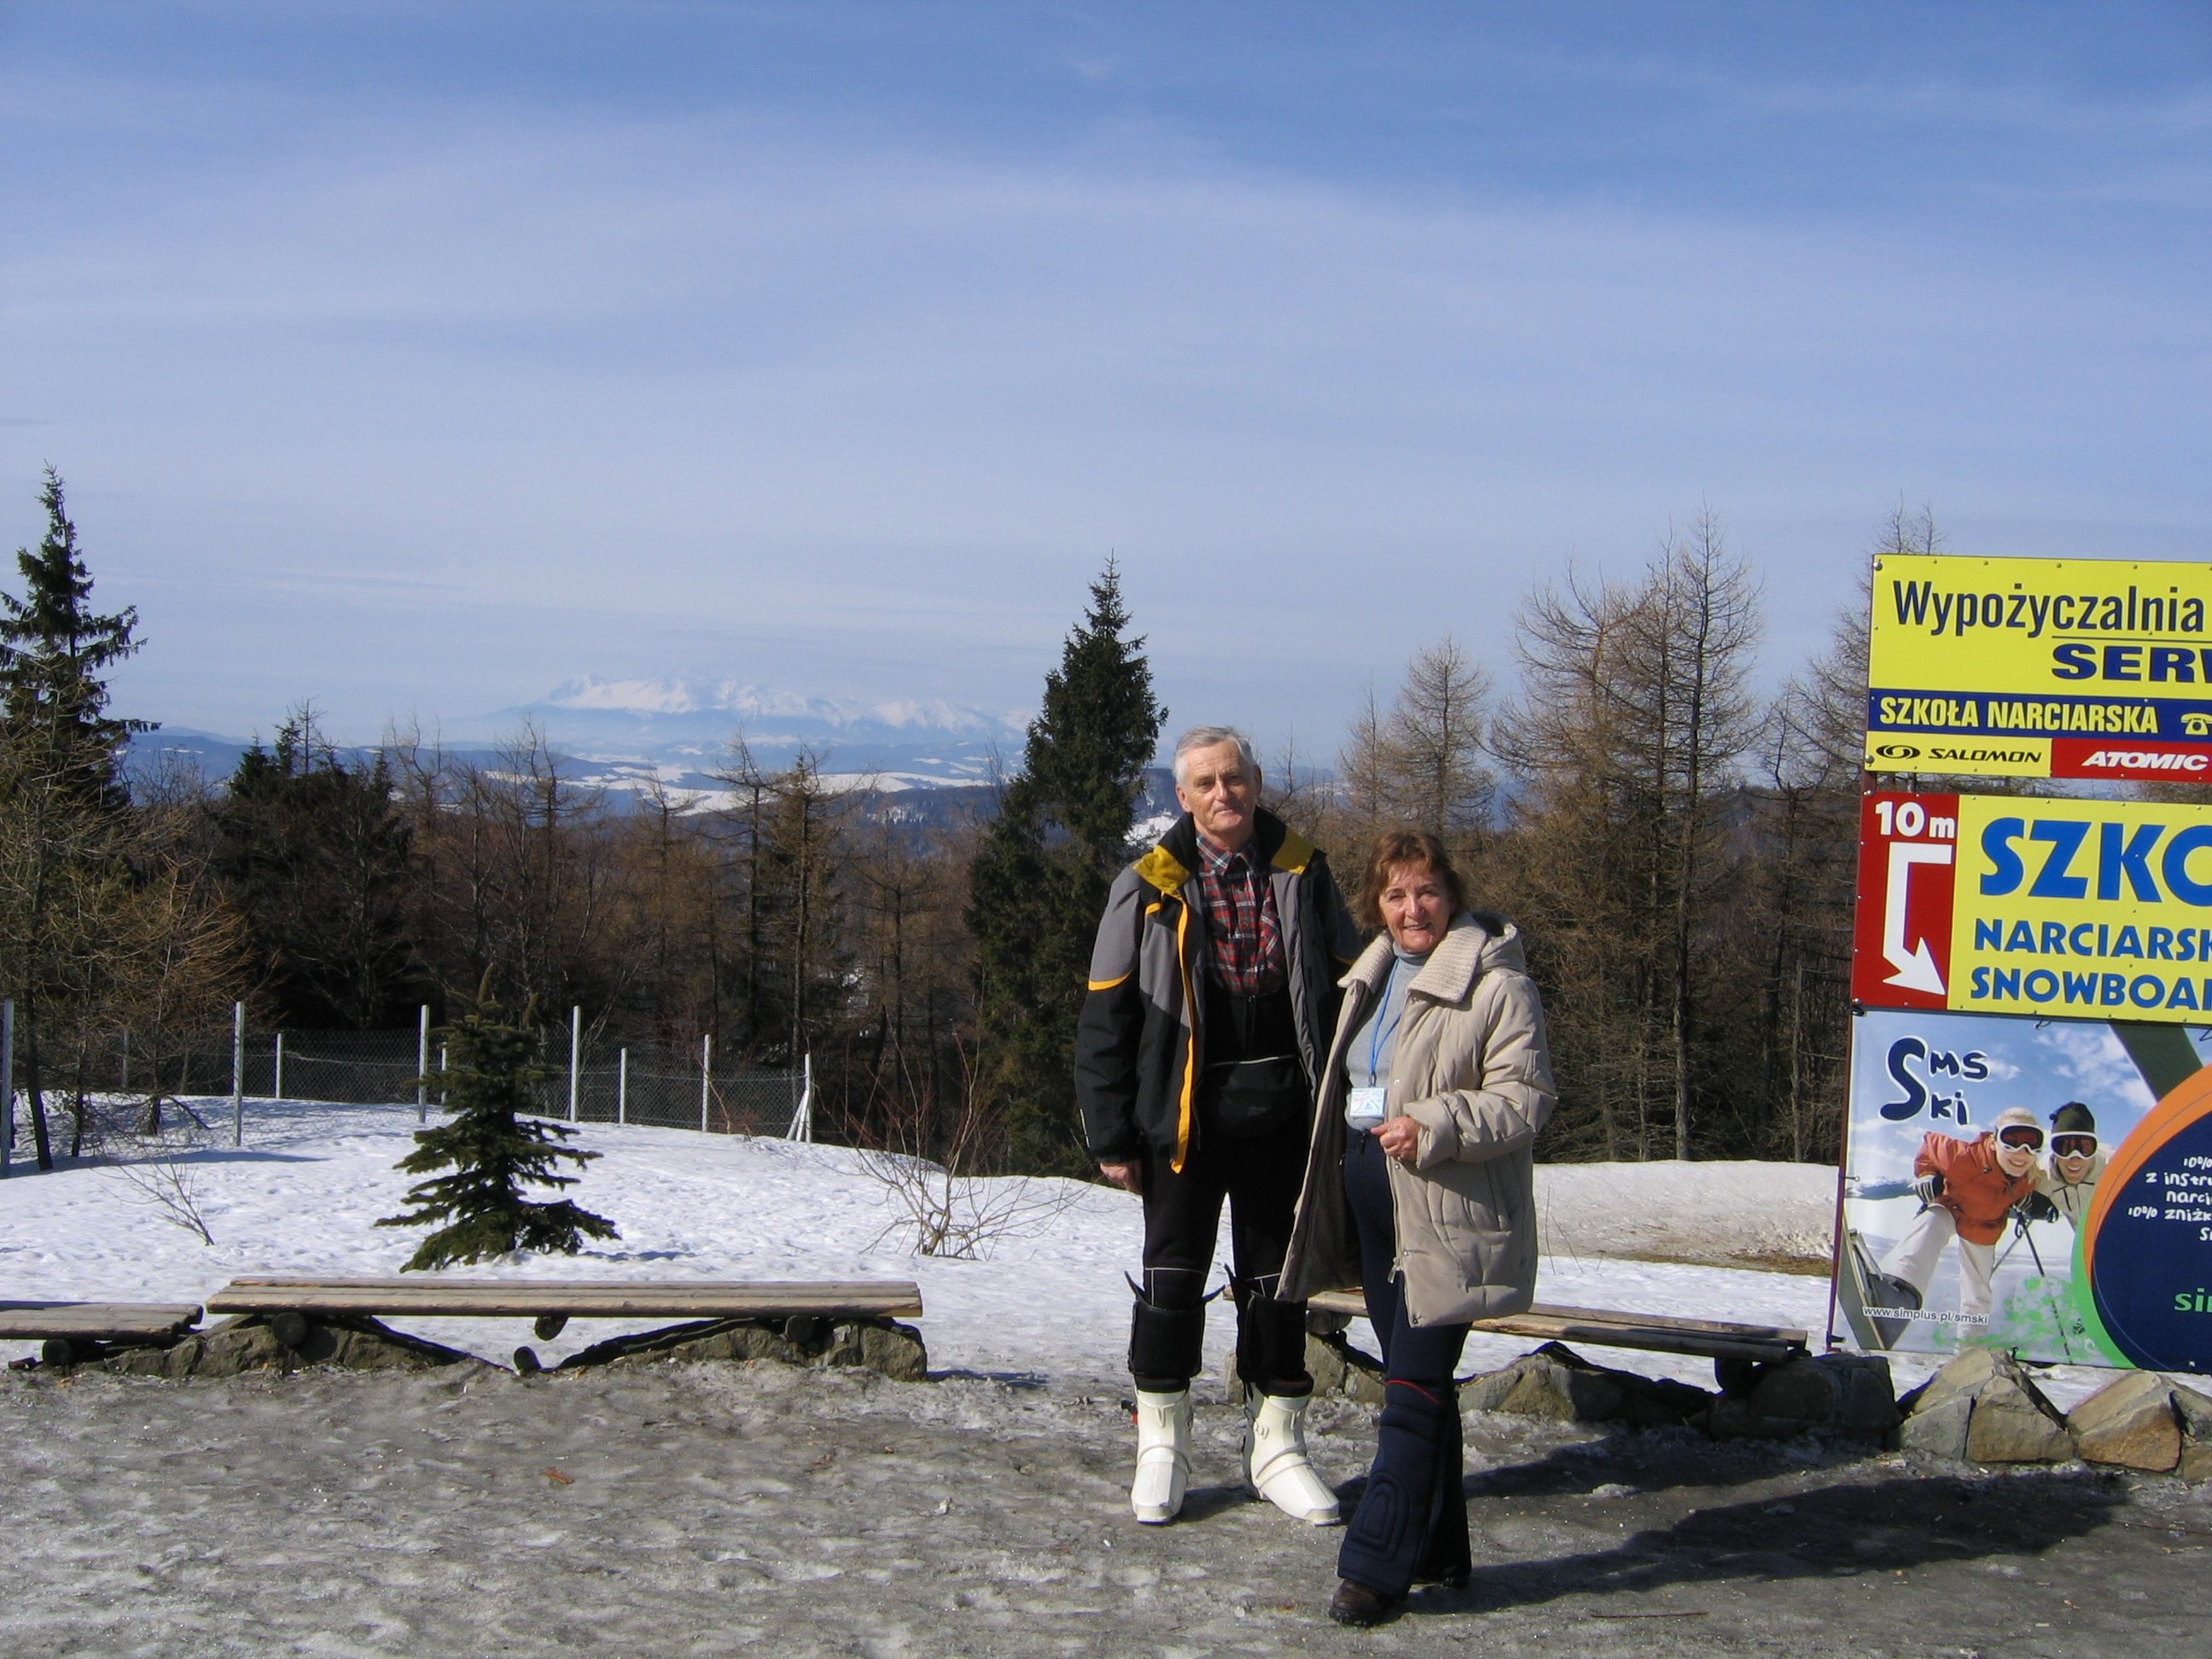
<point>1915,966</point>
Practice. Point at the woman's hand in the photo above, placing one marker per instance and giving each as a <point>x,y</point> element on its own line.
<point>1400,1137</point>
<point>1130,1178</point>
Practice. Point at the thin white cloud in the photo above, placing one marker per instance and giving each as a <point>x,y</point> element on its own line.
<point>875,410</point>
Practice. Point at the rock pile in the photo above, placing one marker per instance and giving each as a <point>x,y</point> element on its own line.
<point>292,1341</point>
<point>1983,1408</point>
<point>282,1342</point>
<point>1557,1382</point>
<point>1841,1392</point>
<point>1844,1394</point>
<point>879,1345</point>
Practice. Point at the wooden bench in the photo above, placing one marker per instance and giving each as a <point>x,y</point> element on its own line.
<point>553,1302</point>
<point>67,1329</point>
<point>1730,1346</point>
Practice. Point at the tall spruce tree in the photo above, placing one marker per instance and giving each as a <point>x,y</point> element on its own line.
<point>495,1149</point>
<point>55,653</point>
<point>1039,877</point>
<point>65,798</point>
<point>314,854</point>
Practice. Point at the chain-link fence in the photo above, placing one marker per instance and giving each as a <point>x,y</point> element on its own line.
<point>343,1067</point>
<point>646,1083</point>
<point>590,1081</point>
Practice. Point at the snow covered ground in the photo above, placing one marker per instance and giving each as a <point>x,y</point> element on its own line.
<point>304,1193</point>
<point>713,1509</point>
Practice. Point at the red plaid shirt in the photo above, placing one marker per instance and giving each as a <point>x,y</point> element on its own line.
<point>1241,926</point>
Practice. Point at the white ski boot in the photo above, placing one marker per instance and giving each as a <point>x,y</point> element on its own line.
<point>1163,1455</point>
<point>1276,1466</point>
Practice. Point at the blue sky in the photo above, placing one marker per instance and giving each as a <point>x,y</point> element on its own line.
<point>414,358</point>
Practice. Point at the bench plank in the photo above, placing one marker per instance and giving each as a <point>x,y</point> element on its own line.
<point>575,1299</point>
<point>95,1321</point>
<point>1650,1338</point>
<point>1655,1332</point>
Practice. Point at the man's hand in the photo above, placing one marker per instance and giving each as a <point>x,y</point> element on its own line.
<point>1130,1178</point>
<point>1400,1137</point>
<point>2037,1207</point>
<point>1929,1188</point>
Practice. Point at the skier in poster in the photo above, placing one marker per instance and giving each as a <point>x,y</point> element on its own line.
<point>1968,1190</point>
<point>2067,1178</point>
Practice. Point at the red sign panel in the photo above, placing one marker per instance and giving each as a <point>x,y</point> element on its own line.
<point>1901,936</point>
<point>2141,759</point>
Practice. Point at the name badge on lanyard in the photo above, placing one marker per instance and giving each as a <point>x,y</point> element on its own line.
<point>1364,1109</point>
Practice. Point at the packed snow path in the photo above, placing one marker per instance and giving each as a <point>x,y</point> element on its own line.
<point>685,1510</point>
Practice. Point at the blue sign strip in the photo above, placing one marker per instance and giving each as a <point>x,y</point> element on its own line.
<point>1993,714</point>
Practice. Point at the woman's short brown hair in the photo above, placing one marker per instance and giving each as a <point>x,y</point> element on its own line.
<point>1405,845</point>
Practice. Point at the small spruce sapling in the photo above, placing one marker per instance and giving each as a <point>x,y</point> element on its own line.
<point>495,1149</point>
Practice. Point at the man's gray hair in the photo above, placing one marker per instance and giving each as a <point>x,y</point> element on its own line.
<point>1206,737</point>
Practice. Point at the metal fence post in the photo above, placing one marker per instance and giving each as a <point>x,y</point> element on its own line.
<point>706,1076</point>
<point>237,1074</point>
<point>441,1073</point>
<point>7,1082</point>
<point>622,1087</point>
<point>422,1065</point>
<point>575,1055</point>
<point>276,1083</point>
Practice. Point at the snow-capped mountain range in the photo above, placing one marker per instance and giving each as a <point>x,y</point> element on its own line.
<point>686,726</point>
<point>628,735</point>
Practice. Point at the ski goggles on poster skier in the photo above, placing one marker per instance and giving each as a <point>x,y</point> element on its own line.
<point>2021,1137</point>
<point>2074,1145</point>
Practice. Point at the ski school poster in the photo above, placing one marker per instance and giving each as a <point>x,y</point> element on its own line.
<point>2121,1275</point>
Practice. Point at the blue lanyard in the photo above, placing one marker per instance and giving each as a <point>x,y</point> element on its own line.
<point>1377,1032</point>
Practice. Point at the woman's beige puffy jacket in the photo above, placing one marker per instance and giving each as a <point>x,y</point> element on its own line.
<point>1473,1070</point>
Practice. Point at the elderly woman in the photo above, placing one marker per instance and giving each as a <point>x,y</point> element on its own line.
<point>1419,1188</point>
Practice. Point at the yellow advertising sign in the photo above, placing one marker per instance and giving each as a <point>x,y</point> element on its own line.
<point>2081,908</point>
<point>2012,757</point>
<point>2104,664</point>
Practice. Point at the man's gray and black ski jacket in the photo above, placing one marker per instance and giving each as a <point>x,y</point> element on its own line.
<point>1140,1044</point>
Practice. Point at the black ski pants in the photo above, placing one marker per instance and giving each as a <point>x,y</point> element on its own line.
<point>1258,1178</point>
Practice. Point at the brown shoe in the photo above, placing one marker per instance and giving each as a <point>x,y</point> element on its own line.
<point>1355,1604</point>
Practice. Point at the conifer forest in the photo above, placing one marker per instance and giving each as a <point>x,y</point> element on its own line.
<point>1669,817</point>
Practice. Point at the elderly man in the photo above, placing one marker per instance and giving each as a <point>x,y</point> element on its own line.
<point>1213,999</point>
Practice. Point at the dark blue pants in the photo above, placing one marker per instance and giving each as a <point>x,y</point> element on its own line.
<point>1412,1520</point>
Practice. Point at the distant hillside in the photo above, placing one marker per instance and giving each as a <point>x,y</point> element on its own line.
<point>911,799</point>
<point>686,728</point>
